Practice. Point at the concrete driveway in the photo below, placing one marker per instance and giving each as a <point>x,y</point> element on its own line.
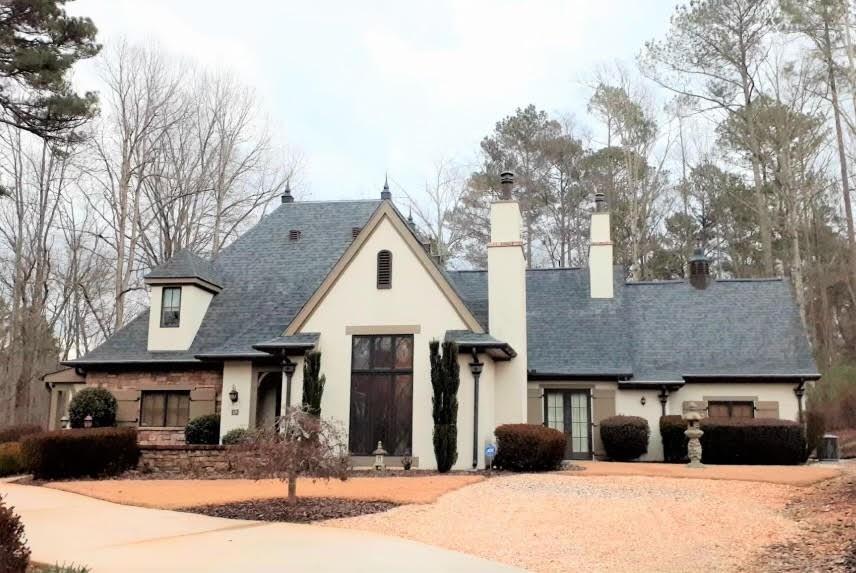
<point>65,527</point>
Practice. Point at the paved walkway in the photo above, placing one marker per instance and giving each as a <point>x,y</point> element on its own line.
<point>66,527</point>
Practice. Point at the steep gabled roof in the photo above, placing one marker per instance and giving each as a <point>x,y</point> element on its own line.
<point>660,331</point>
<point>266,275</point>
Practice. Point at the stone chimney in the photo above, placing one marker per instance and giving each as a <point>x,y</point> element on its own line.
<point>506,271</point>
<point>600,250</point>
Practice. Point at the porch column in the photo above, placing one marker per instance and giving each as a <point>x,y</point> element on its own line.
<point>664,398</point>
<point>476,368</point>
<point>287,372</point>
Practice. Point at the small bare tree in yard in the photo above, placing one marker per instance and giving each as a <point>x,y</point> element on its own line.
<point>304,446</point>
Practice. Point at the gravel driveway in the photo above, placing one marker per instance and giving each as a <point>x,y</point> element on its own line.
<point>558,522</point>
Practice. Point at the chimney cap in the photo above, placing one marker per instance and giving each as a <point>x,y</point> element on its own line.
<point>287,197</point>
<point>506,180</point>
<point>599,201</point>
<point>385,194</point>
<point>699,269</point>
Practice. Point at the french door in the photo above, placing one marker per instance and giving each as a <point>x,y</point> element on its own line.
<point>569,411</point>
<point>381,394</point>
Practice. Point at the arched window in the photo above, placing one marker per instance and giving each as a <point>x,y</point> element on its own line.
<point>384,269</point>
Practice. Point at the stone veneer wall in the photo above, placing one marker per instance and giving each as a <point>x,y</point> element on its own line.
<point>127,384</point>
<point>208,461</point>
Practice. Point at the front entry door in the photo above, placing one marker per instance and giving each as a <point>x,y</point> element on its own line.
<point>568,411</point>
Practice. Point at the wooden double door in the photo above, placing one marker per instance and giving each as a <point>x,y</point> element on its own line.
<point>569,411</point>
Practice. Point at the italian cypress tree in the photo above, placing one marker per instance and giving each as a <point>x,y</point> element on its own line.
<point>40,43</point>
<point>313,383</point>
<point>445,379</point>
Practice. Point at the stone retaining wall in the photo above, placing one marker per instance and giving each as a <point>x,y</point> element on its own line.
<point>206,461</point>
<point>160,436</point>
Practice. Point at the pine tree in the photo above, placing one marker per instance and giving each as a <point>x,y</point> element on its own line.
<point>40,43</point>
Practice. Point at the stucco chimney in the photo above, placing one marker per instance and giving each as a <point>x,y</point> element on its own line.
<point>600,250</point>
<point>506,270</point>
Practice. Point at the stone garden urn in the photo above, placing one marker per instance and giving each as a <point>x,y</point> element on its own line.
<point>693,416</point>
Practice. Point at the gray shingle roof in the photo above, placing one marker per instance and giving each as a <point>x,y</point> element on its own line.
<point>656,331</point>
<point>186,264</point>
<point>266,279</point>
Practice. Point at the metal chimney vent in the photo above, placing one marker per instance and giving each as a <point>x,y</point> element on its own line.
<point>699,269</point>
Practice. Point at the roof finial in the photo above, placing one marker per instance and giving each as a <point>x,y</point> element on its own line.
<point>286,196</point>
<point>385,194</point>
<point>410,222</point>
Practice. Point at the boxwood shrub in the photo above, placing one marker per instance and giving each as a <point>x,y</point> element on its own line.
<point>236,436</point>
<point>203,430</point>
<point>81,453</point>
<point>96,402</point>
<point>14,554</point>
<point>529,448</point>
<point>11,460</point>
<point>625,437</point>
<point>752,441</point>
<point>672,430</point>
<point>15,433</point>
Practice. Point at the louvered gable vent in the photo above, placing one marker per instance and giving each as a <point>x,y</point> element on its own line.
<point>355,231</point>
<point>384,270</point>
<point>294,235</point>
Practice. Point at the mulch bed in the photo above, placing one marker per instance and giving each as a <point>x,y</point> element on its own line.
<point>827,514</point>
<point>306,510</point>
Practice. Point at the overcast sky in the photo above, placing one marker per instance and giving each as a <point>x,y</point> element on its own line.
<point>364,87</point>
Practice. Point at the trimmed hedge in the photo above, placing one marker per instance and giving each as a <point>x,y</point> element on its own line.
<point>14,553</point>
<point>625,437</point>
<point>529,448</point>
<point>236,436</point>
<point>15,433</point>
<point>78,453</point>
<point>11,460</point>
<point>752,441</point>
<point>672,430</point>
<point>204,430</point>
<point>96,402</point>
<point>748,441</point>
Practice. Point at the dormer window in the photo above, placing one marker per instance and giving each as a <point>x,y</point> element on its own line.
<point>384,269</point>
<point>171,307</point>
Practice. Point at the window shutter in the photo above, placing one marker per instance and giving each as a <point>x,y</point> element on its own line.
<point>202,402</point>
<point>127,407</point>
<point>766,409</point>
<point>384,269</point>
<point>603,406</point>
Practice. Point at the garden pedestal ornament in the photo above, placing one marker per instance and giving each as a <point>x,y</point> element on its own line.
<point>693,415</point>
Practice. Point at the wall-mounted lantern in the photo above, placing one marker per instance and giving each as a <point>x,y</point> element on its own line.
<point>379,453</point>
<point>233,395</point>
<point>642,400</point>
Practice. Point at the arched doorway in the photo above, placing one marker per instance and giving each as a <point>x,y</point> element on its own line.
<point>269,400</point>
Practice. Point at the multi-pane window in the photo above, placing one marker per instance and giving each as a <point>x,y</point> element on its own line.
<point>170,409</point>
<point>730,409</point>
<point>381,394</point>
<point>171,306</point>
<point>384,269</point>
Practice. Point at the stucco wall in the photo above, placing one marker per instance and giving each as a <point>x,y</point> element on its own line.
<point>194,304</point>
<point>764,392</point>
<point>414,303</point>
<point>629,403</point>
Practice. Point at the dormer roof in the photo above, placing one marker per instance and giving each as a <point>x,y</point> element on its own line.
<point>186,266</point>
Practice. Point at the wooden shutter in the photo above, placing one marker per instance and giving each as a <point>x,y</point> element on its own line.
<point>767,410</point>
<point>202,402</point>
<point>603,406</point>
<point>534,406</point>
<point>384,270</point>
<point>127,407</point>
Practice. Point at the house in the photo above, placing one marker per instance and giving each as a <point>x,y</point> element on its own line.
<point>353,279</point>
